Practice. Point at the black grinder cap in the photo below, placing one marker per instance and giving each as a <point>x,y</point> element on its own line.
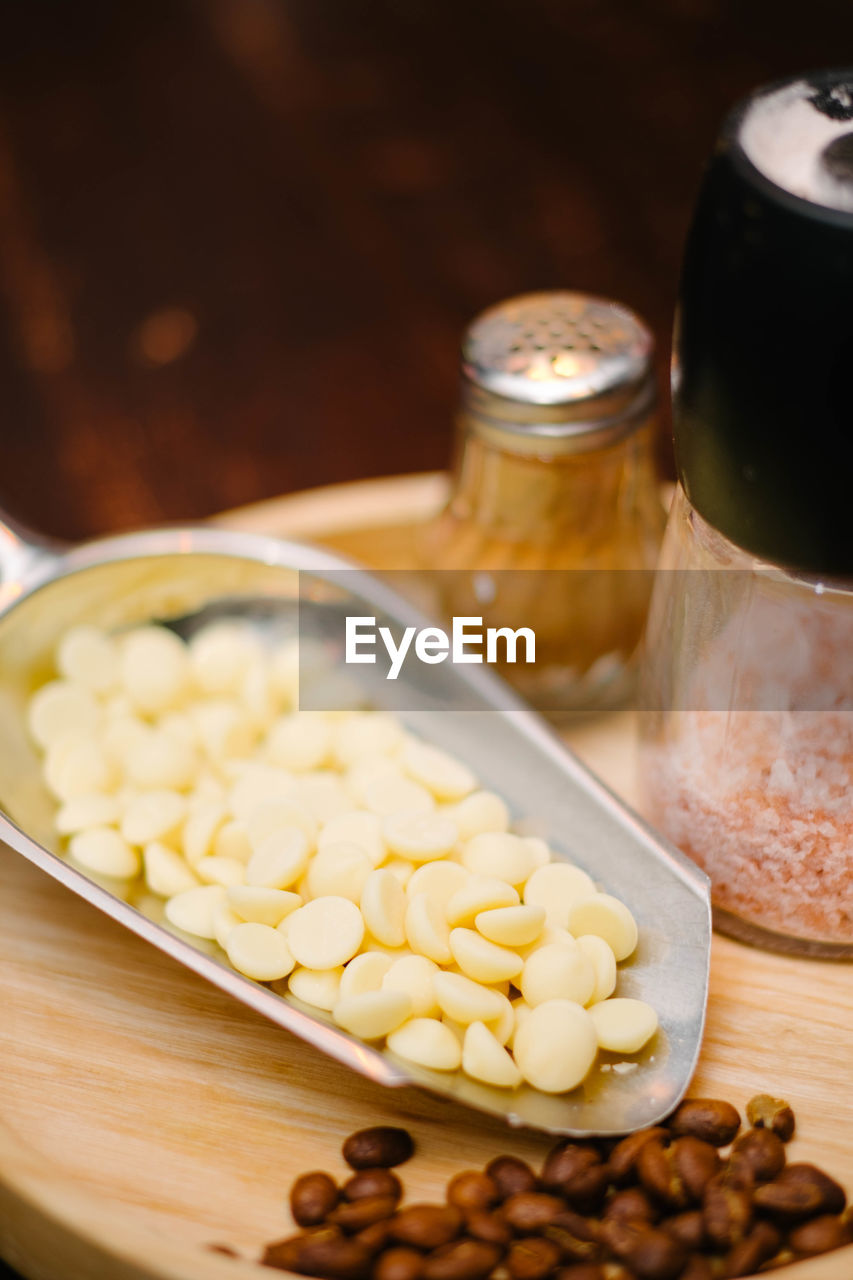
<point>763,369</point>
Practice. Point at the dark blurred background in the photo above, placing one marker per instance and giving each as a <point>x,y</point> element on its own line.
<point>239,239</point>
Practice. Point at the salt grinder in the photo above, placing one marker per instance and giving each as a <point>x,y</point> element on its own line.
<point>747,760</point>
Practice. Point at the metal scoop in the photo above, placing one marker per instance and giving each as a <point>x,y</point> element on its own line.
<point>182,577</point>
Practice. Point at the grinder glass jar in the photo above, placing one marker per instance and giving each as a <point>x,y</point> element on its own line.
<point>554,520</point>
<point>747,758</point>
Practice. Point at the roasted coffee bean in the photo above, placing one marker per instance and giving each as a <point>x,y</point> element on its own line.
<point>699,1268</point>
<point>623,1158</point>
<point>490,1227</point>
<point>581,1271</point>
<point>631,1205</point>
<point>372,1182</point>
<point>312,1197</point>
<point>747,1256</point>
<point>727,1211</point>
<point>765,1112</point>
<point>380,1147</point>
<point>472,1190</point>
<point>696,1162</point>
<point>462,1260</point>
<point>530,1211</point>
<point>376,1236</point>
<point>579,1238</point>
<point>511,1176</point>
<point>687,1227</point>
<point>761,1151</point>
<point>399,1263</point>
<point>322,1252</point>
<point>427,1226</point>
<point>586,1190</point>
<point>819,1235</point>
<point>710,1119</point>
<point>659,1176</point>
<point>354,1215</point>
<point>565,1161</point>
<point>648,1251</point>
<point>532,1259</point>
<point>801,1191</point>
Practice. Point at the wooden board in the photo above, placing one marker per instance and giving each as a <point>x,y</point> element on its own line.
<point>144,1116</point>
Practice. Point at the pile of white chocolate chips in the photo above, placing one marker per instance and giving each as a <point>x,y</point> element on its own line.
<point>333,850</point>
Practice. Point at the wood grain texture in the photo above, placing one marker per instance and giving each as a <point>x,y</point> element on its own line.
<point>144,1116</point>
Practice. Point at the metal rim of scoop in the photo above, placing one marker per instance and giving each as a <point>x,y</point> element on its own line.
<point>28,566</point>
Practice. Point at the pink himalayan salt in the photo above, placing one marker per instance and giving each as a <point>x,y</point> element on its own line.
<point>763,802</point>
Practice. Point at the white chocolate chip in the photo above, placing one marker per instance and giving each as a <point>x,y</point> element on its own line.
<point>257,904</point>
<point>426,929</point>
<point>301,741</point>
<point>555,1046</point>
<point>325,933</point>
<point>415,977</point>
<point>485,1058</point>
<point>104,851</point>
<point>193,910</point>
<point>511,926</point>
<point>557,887</point>
<point>317,987</point>
<point>464,1000</point>
<point>217,870</point>
<point>499,854</point>
<point>481,811</point>
<point>600,953</point>
<point>438,880</point>
<point>479,893</point>
<point>557,972</point>
<point>391,793</point>
<point>427,1042</point>
<point>153,815</point>
<point>420,837</point>
<point>60,708</point>
<point>365,972</point>
<point>91,810</point>
<point>338,869</point>
<point>482,960</point>
<point>88,657</point>
<point>366,734</point>
<point>154,668</point>
<point>356,827</point>
<point>607,918</point>
<point>259,952</point>
<point>383,905</point>
<point>446,777</point>
<point>279,861</point>
<point>372,1015</point>
<point>268,816</point>
<point>166,873</point>
<point>623,1025</point>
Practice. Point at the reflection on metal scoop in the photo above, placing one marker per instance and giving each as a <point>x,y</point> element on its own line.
<point>183,577</point>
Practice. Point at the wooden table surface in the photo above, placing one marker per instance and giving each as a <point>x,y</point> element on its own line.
<point>239,239</point>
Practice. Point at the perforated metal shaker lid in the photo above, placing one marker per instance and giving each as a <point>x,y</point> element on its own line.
<point>556,372</point>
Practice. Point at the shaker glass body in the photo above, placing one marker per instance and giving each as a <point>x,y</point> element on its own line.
<point>747,735</point>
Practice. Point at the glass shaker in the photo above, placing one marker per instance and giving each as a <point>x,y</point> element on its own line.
<point>554,519</point>
<point>747,754</point>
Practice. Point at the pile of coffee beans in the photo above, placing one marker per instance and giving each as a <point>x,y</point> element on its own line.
<point>666,1203</point>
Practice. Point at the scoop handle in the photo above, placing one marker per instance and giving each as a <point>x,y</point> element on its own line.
<point>21,550</point>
